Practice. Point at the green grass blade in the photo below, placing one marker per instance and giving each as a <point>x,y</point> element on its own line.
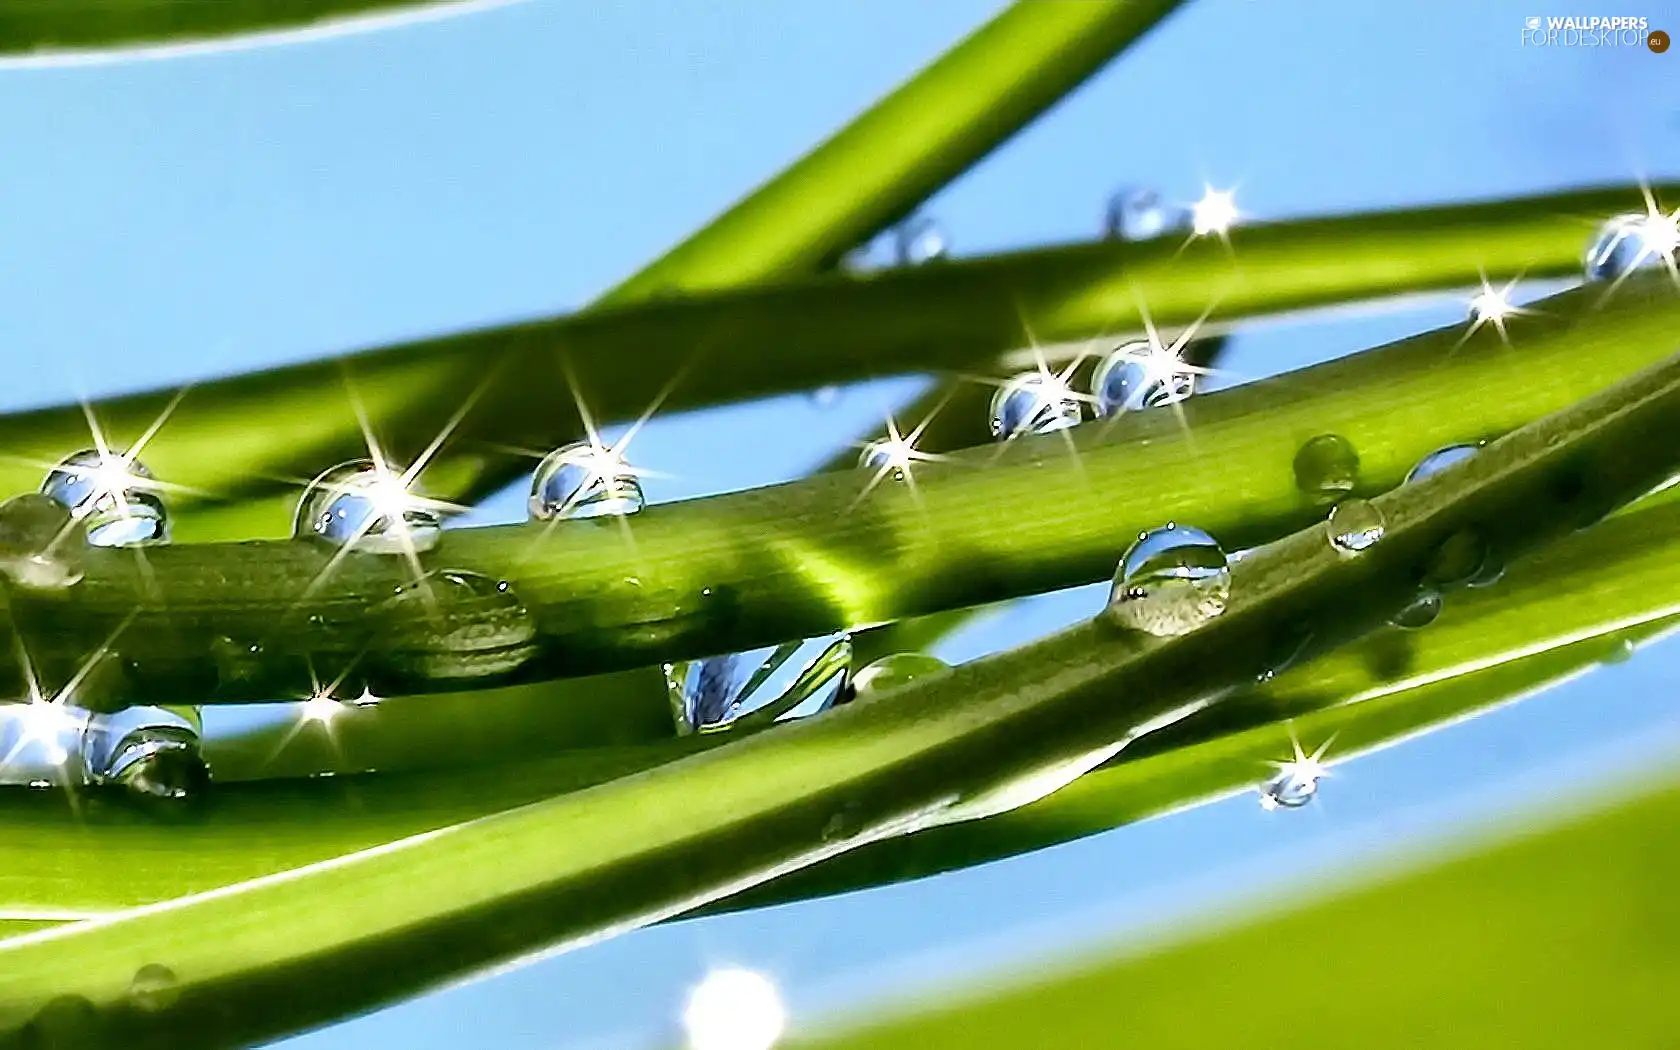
<point>704,350</point>
<point>317,943</point>
<point>31,28</point>
<point>734,572</point>
<point>1557,937</point>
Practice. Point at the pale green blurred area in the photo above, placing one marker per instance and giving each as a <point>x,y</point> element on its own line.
<point>1563,936</point>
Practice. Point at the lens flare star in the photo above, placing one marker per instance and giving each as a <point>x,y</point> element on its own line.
<point>1493,306</point>
<point>1214,214</point>
<point>1297,779</point>
<point>734,1009</point>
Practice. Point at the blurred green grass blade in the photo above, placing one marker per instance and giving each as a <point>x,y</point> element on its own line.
<point>702,350</point>
<point>1560,936</point>
<point>904,148</point>
<point>734,572</point>
<point>275,955</point>
<point>1580,602</point>
<point>36,28</point>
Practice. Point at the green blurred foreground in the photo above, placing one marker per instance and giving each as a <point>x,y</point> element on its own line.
<point>1566,937</point>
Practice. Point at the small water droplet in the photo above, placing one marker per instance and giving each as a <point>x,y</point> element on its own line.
<point>1137,213</point>
<point>42,544</point>
<point>1290,789</point>
<point>763,684</point>
<point>1621,651</point>
<point>70,1022</point>
<point>452,624</point>
<point>1491,572</point>
<point>891,672</point>
<point>920,240</point>
<point>237,660</point>
<point>843,824</point>
<point>826,397</point>
<point>115,498</point>
<point>1034,403</point>
<point>1354,526</point>
<point>584,480</point>
<point>1630,242</point>
<point>367,507</point>
<point>151,753</point>
<point>154,987</point>
<point>1327,468</point>
<point>887,457</point>
<point>1136,376</point>
<point>1420,612</point>
<point>1439,460</point>
<point>1171,581</point>
<point>1458,560</point>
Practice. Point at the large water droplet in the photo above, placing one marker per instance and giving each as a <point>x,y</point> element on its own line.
<point>152,753</point>
<point>584,480</point>
<point>1327,467</point>
<point>898,669</point>
<point>154,987</point>
<point>1135,376</point>
<point>1034,403</point>
<point>367,507</point>
<point>1631,242</point>
<point>762,684</point>
<point>452,625</point>
<point>1354,525</point>
<point>115,498</point>
<point>42,545</point>
<point>919,240</point>
<point>1420,612</point>
<point>1439,460</point>
<point>1171,581</point>
<point>1290,789</point>
<point>1138,213</point>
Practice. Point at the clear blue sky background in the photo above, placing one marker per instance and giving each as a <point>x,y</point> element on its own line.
<point>168,220</point>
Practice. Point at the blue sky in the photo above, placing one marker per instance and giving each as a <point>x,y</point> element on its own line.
<point>172,219</point>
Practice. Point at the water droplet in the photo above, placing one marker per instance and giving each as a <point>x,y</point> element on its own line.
<point>451,624</point>
<point>70,1022</point>
<point>367,507</point>
<point>734,1009</point>
<point>891,672</point>
<point>1290,789</point>
<point>919,240</point>
<point>887,457</point>
<point>1439,460</point>
<point>1491,572</point>
<point>1354,525</point>
<point>1458,560</point>
<point>1420,612</point>
<point>584,480</point>
<point>826,397</point>
<point>1135,376</point>
<point>115,498</point>
<point>1631,242</point>
<point>154,987</point>
<point>152,753</point>
<point>1621,651</point>
<point>1034,403</point>
<point>42,545</point>
<point>1327,467</point>
<point>763,684</point>
<point>843,823</point>
<point>1137,214</point>
<point>1171,581</point>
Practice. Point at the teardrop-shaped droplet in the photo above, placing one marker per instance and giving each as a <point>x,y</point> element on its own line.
<point>1420,612</point>
<point>898,669</point>
<point>1171,581</point>
<point>42,545</point>
<point>763,684</point>
<point>114,497</point>
<point>154,987</point>
<point>1138,213</point>
<point>1034,403</point>
<point>1290,789</point>
<point>368,507</point>
<point>1135,376</point>
<point>1439,460</point>
<point>1630,242</point>
<point>1354,525</point>
<point>584,480</point>
<point>1327,468</point>
<point>451,625</point>
<point>152,753</point>
<point>920,240</point>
